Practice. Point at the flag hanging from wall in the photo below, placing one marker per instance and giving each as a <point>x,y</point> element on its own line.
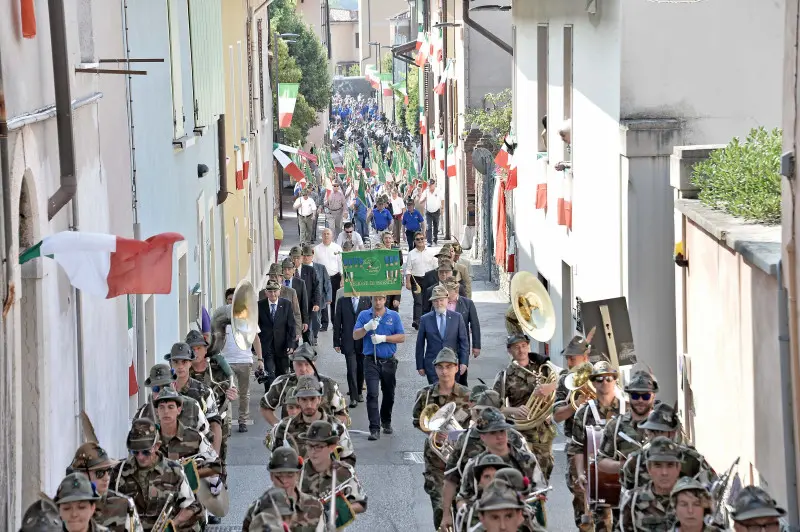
<point>287,97</point>
<point>423,49</point>
<point>500,244</point>
<point>108,265</point>
<point>443,79</point>
<point>288,165</point>
<point>565,201</point>
<point>237,150</point>
<point>133,384</point>
<point>28,12</point>
<point>245,159</point>
<point>451,161</point>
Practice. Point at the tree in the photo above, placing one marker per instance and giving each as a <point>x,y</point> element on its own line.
<point>412,111</point>
<point>353,70</point>
<point>495,116</point>
<point>304,116</point>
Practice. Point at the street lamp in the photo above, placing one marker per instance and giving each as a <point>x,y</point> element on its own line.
<point>283,36</point>
<point>393,80</point>
<point>377,45</point>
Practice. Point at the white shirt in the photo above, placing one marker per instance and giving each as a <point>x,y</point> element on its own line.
<point>328,257</point>
<point>305,206</point>
<point>398,205</point>
<point>232,352</point>
<point>358,242</point>
<point>433,202</point>
<point>418,263</point>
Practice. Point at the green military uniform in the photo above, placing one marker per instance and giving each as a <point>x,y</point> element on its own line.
<point>42,516</point>
<point>192,415</point>
<point>113,510</point>
<point>434,465</point>
<point>516,385</point>
<point>151,487</point>
<point>698,490</point>
<point>590,414</point>
<point>186,442</point>
<point>753,502</point>
<point>76,487</point>
<point>290,428</point>
<point>192,387</point>
<point>644,509</point>
<point>467,516</point>
<point>307,511</point>
<point>499,495</point>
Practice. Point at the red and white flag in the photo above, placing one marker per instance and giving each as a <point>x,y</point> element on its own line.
<point>423,49</point>
<point>108,265</point>
<point>451,161</point>
<point>245,158</point>
<point>443,79</point>
<point>239,167</point>
<point>288,165</point>
<point>565,201</point>
<point>423,127</point>
<point>287,97</point>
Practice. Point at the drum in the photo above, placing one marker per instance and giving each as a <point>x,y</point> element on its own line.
<point>602,489</point>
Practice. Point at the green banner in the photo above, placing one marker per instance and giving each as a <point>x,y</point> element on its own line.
<point>372,273</point>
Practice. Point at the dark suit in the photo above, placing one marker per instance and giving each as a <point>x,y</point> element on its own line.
<point>302,298</point>
<point>430,342</point>
<point>469,313</point>
<point>344,322</point>
<point>277,335</point>
<point>427,305</point>
<point>309,278</point>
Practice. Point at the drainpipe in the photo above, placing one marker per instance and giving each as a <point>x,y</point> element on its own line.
<point>786,398</point>
<point>222,193</point>
<point>483,31</point>
<point>66,141</point>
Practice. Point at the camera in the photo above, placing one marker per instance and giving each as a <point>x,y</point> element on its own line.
<point>263,376</point>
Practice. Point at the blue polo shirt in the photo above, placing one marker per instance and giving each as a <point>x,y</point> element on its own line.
<point>412,220</point>
<point>361,209</point>
<point>390,324</point>
<point>382,218</point>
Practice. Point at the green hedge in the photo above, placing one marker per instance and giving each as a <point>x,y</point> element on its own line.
<point>743,179</point>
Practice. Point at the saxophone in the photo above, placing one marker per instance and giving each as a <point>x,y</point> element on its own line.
<point>164,523</point>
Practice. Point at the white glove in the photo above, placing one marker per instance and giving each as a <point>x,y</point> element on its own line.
<point>371,325</point>
<point>378,339</point>
<point>215,485</point>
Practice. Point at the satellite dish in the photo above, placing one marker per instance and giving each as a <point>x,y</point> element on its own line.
<point>482,160</point>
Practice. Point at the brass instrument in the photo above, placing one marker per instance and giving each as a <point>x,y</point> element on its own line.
<point>241,315</point>
<point>435,420</point>
<point>164,522</point>
<point>533,307</point>
<point>579,383</point>
<point>539,407</point>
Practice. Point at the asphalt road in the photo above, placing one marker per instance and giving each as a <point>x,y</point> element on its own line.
<point>390,469</point>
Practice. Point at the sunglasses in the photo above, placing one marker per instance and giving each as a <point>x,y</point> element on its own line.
<point>157,389</point>
<point>635,396</point>
<point>349,232</point>
<point>100,473</point>
<point>607,378</point>
<point>419,239</point>
<point>145,453</point>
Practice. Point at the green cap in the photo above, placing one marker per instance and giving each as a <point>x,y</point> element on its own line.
<point>516,338</point>
<point>195,338</point>
<point>291,398</point>
<point>661,419</point>
<point>304,352</point>
<point>513,477</point>
<point>753,502</point>
<point>272,285</point>
<point>446,355</point>
<point>284,460</point>
<point>642,381</point>
<point>690,484</point>
<point>445,265</point>
<point>498,495</point>
<point>662,449</point>
<point>321,432</point>
<point>41,516</point>
<point>604,368</point>
<point>576,347</point>
<point>76,487</point>
<point>168,394</point>
<point>274,269</point>
<point>488,460</point>
<point>296,251</point>
<point>91,456</point>
<point>180,351</point>
<point>160,375</point>
<point>307,250</point>
<point>308,386</point>
<point>280,500</point>
<point>488,398</point>
<point>438,292</point>
<point>491,420</point>
<point>287,264</point>
<point>476,391</point>
<point>143,435</point>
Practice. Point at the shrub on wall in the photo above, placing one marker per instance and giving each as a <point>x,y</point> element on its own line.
<point>743,179</point>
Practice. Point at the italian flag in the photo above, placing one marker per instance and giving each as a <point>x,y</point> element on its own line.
<point>386,83</point>
<point>108,265</point>
<point>541,186</point>
<point>451,161</point>
<point>505,160</point>
<point>239,168</point>
<point>423,128</point>
<point>245,158</point>
<point>423,49</point>
<point>288,165</point>
<point>565,201</point>
<point>133,384</point>
<point>371,75</point>
<point>287,97</point>
<point>400,89</point>
<point>288,149</point>
<point>446,75</point>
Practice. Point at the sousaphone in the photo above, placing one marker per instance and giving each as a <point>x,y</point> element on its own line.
<point>533,307</point>
<point>241,315</point>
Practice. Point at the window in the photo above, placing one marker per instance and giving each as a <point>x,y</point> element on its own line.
<point>568,76</point>
<point>205,34</point>
<point>183,291</point>
<point>542,83</point>
<point>178,116</point>
<point>358,42</point>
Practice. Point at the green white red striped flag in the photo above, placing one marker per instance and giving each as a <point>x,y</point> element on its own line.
<point>451,161</point>
<point>287,97</point>
<point>108,265</point>
<point>288,165</point>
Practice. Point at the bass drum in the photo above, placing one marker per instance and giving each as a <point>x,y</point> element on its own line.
<point>603,489</point>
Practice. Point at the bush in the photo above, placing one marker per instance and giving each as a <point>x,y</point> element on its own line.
<point>494,118</point>
<point>743,179</point>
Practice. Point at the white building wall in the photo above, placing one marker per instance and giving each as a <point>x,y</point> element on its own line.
<point>593,248</point>
<point>729,57</point>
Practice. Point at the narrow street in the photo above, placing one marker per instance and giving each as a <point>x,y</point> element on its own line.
<point>390,469</point>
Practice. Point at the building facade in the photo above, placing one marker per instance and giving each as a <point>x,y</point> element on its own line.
<point>345,41</point>
<point>602,66</point>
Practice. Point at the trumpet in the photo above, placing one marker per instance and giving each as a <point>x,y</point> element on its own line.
<point>164,523</point>
<point>579,383</point>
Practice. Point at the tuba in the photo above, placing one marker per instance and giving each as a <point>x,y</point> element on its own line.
<point>533,307</point>
<point>241,315</point>
<point>435,420</point>
<point>539,407</point>
<point>579,383</point>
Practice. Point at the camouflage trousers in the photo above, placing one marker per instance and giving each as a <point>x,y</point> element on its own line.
<point>600,520</point>
<point>434,482</point>
<point>544,455</point>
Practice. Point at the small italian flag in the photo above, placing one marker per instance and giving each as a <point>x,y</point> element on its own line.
<point>446,75</point>
<point>565,202</point>
<point>245,158</point>
<point>451,161</point>
<point>288,165</point>
<point>133,385</point>
<point>423,49</point>
<point>400,89</point>
<point>107,265</point>
<point>239,167</point>
<point>423,128</point>
<point>287,97</point>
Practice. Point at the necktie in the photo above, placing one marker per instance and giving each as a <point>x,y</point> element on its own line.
<point>287,283</point>
<point>273,310</point>
<point>297,273</point>
<point>442,327</point>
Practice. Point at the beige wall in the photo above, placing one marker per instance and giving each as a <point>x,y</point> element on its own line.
<point>343,43</point>
<point>731,399</point>
<point>373,24</point>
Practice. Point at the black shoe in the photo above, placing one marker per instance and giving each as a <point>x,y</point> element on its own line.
<point>324,328</point>
<point>214,520</point>
<point>387,428</point>
<point>242,427</point>
<point>374,435</point>
<point>353,403</point>
<point>360,398</point>
<point>415,325</point>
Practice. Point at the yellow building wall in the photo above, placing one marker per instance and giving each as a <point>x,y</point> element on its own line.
<point>237,115</point>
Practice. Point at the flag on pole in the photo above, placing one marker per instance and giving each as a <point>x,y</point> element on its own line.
<point>423,127</point>
<point>443,79</point>
<point>287,97</point>
<point>245,158</point>
<point>288,165</point>
<point>108,265</point>
<point>239,167</point>
<point>371,75</point>
<point>451,161</point>
<point>400,89</point>
<point>423,49</point>
<point>133,383</point>
<point>386,83</point>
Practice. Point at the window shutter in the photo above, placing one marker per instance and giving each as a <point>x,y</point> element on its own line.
<point>178,116</point>
<point>205,28</point>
